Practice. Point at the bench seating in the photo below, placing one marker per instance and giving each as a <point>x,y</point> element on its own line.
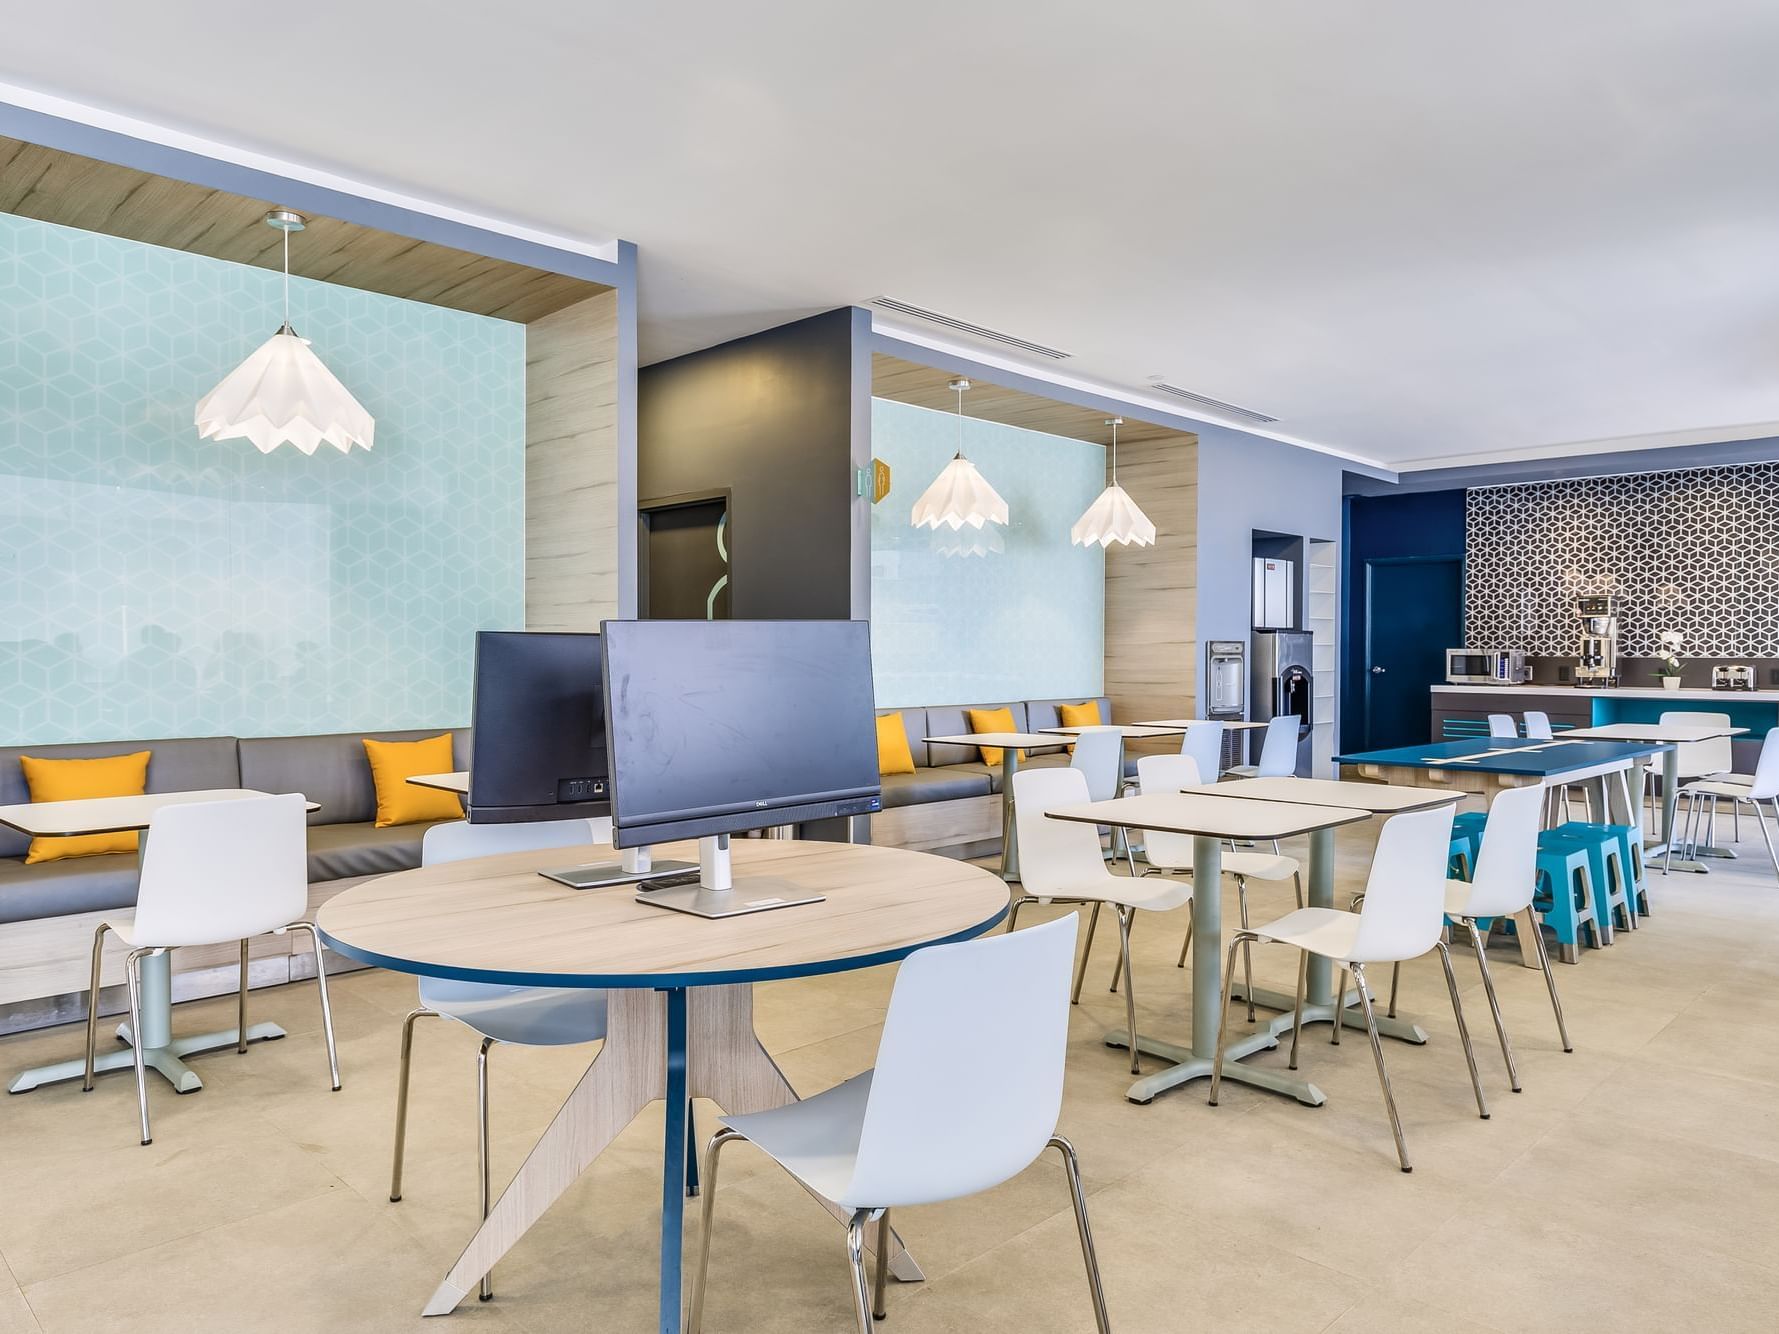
<point>48,911</point>
<point>951,803</point>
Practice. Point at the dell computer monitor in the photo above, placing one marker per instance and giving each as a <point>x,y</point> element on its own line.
<point>539,727</point>
<point>717,727</point>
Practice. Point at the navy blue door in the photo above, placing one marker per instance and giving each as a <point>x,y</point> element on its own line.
<point>1414,612</point>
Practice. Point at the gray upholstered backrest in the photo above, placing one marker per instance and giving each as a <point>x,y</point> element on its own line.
<point>177,764</point>
<point>331,769</point>
<point>914,723</point>
<point>954,720</point>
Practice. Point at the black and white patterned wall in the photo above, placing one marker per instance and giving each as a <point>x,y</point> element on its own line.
<point>1695,550</point>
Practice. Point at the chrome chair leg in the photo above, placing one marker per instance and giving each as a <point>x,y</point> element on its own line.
<point>482,1153</point>
<point>1093,920</point>
<point>1395,981</point>
<point>1303,978</point>
<point>879,1309</point>
<point>1451,983</point>
<point>701,1273</point>
<point>1013,910</point>
<point>1760,819</point>
<point>1377,1055</point>
<point>1125,915</point>
<point>401,1098</point>
<point>241,1007</point>
<point>327,1014</point>
<point>1550,982</point>
<point>1118,963</point>
<point>1241,898</point>
<point>133,974</point>
<point>92,1006</point>
<point>1072,1168</point>
<point>1297,883</point>
<point>1488,980</point>
<point>1223,1019</point>
<point>855,1255</point>
<point>1340,1008</point>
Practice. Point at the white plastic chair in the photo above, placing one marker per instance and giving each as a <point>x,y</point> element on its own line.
<point>526,1016</point>
<point>212,872</point>
<point>1703,759</point>
<point>1503,725</point>
<point>1170,853</point>
<point>1538,726</point>
<point>1060,862</point>
<point>934,1120</point>
<point>1096,755</point>
<point>1402,916</point>
<point>1764,787</point>
<point>1278,752</point>
<point>1506,875</point>
<point>1204,744</point>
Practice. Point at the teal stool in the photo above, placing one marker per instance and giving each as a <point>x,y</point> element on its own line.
<point>1461,859</point>
<point>1565,897</point>
<point>1630,851</point>
<point>1606,868</point>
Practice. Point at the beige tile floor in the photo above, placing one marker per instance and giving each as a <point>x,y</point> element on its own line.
<point>1633,1186</point>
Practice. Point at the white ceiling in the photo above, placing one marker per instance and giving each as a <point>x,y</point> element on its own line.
<point>1419,234</point>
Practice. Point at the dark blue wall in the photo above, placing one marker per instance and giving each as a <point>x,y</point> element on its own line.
<point>1428,523</point>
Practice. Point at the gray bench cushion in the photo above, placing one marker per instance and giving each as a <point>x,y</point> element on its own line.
<point>178,764</point>
<point>947,783</point>
<point>339,851</point>
<point>331,770</point>
<point>71,885</point>
<point>1042,713</point>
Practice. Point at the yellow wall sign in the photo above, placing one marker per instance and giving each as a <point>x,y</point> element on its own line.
<point>880,480</point>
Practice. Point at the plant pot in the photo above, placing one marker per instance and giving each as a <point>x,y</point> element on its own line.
<point>1670,683</point>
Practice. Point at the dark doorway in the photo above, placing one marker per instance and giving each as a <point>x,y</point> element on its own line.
<point>1414,612</point>
<point>685,559</point>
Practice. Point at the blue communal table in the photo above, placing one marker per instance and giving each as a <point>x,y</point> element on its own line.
<point>1482,766</point>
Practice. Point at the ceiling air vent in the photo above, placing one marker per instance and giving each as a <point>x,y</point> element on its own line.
<point>1213,404</point>
<point>965,327</point>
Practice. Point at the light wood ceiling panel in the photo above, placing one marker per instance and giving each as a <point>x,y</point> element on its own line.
<point>53,186</point>
<point>926,387</point>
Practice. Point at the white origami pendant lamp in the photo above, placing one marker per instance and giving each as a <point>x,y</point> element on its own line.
<point>282,392</point>
<point>960,495</point>
<point>1114,516</point>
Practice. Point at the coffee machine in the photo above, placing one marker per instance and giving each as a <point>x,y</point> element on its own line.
<point>1598,665</point>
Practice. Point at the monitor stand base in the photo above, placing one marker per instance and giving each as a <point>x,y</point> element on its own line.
<point>716,893</point>
<point>637,864</point>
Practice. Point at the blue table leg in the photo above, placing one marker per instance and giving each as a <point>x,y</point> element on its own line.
<point>673,1163</point>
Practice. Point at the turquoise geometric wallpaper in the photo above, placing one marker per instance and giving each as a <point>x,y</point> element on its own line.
<point>156,584</point>
<point>955,621</point>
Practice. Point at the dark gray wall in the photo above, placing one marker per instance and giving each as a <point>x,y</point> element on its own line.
<point>771,418</point>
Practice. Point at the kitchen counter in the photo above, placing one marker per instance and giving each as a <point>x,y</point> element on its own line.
<point>1692,695</point>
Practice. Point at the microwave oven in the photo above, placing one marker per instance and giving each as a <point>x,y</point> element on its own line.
<point>1485,667</point>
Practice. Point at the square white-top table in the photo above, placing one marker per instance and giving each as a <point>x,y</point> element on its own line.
<point>160,1049</point>
<point>453,782</point>
<point>1373,799</point>
<point>1677,735</point>
<point>1210,820</point>
<point>1009,744</point>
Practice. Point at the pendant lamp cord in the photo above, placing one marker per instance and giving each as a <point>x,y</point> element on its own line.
<point>959,390</point>
<point>286,277</point>
<point>1114,453</point>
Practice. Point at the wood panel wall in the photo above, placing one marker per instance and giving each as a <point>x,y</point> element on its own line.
<point>571,466</point>
<point>1152,592</point>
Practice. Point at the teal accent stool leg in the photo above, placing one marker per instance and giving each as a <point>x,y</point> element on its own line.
<point>1195,1062</point>
<point>161,1051</point>
<point>1319,994</point>
<point>673,1163</point>
<point>1009,833</point>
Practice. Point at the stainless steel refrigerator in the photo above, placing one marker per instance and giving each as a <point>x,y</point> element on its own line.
<point>1284,684</point>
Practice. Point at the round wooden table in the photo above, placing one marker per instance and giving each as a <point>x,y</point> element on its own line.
<point>680,1009</point>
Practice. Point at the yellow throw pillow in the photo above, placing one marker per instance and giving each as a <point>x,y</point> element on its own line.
<point>893,755</point>
<point>402,802</point>
<point>74,780</point>
<point>1080,715</point>
<point>992,720</point>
